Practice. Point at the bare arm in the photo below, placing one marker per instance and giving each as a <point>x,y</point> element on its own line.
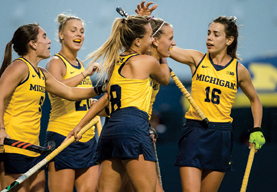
<point>58,70</point>
<point>187,56</point>
<point>95,109</point>
<point>13,75</point>
<point>160,71</point>
<point>248,89</point>
<point>55,87</point>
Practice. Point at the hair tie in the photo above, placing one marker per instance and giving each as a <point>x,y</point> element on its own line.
<point>123,20</point>
<point>150,18</point>
<point>233,19</point>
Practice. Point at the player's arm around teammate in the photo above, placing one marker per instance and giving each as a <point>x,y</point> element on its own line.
<point>23,84</point>
<point>130,79</point>
<point>221,59</point>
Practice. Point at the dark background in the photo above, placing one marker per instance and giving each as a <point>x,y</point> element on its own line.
<point>170,112</point>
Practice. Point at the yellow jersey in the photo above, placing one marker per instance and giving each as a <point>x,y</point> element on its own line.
<point>22,110</point>
<point>155,91</point>
<point>214,89</point>
<point>125,92</point>
<point>65,114</point>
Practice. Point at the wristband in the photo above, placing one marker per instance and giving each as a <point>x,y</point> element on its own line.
<point>98,90</point>
<point>2,128</point>
<point>256,129</point>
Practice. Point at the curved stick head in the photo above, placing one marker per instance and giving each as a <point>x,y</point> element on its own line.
<point>51,145</point>
<point>121,12</point>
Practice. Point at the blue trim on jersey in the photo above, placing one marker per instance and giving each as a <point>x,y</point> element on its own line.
<point>219,67</point>
<point>37,72</point>
<point>198,64</point>
<point>122,65</point>
<point>237,74</point>
<point>77,67</point>
<point>25,79</point>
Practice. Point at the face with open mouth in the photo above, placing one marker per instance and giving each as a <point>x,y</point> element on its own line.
<point>73,34</point>
<point>216,38</point>
<point>165,42</point>
<point>43,44</point>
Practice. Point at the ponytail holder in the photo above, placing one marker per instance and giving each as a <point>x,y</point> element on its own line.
<point>150,18</point>
<point>123,20</point>
<point>233,19</point>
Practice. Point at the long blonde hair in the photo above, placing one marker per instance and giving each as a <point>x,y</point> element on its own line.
<point>124,32</point>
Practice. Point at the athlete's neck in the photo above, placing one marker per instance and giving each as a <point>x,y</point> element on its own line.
<point>70,55</point>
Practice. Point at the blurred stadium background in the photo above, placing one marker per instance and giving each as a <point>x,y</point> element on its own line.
<point>257,22</point>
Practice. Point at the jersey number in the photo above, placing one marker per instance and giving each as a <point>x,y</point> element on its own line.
<point>84,107</point>
<point>115,94</point>
<point>215,99</point>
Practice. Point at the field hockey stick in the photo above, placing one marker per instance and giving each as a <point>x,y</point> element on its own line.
<point>248,168</point>
<point>31,147</point>
<point>188,96</point>
<point>157,164</point>
<point>99,125</point>
<point>153,131</point>
<point>49,157</point>
<point>121,12</point>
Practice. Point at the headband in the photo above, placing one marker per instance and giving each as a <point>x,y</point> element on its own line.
<point>158,29</point>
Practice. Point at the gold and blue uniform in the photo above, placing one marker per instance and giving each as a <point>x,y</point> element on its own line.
<point>214,90</point>
<point>22,112</point>
<point>209,146</point>
<point>124,92</point>
<point>64,116</point>
<point>155,91</point>
<point>126,134</point>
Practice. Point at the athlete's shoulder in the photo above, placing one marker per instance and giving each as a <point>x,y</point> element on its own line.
<point>55,60</point>
<point>144,59</point>
<point>19,65</point>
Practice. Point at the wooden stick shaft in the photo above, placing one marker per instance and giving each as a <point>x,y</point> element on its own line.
<point>248,169</point>
<point>157,165</point>
<point>99,125</point>
<point>49,157</point>
<point>188,96</point>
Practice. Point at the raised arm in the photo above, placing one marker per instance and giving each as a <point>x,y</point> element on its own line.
<point>160,71</point>
<point>58,70</point>
<point>142,9</point>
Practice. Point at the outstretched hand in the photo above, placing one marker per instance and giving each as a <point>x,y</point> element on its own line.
<point>144,9</point>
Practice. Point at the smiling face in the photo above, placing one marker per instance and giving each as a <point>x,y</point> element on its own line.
<point>216,40</point>
<point>165,42</point>
<point>42,45</point>
<point>73,34</point>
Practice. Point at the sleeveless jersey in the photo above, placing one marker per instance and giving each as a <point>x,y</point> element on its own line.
<point>214,90</point>
<point>155,91</point>
<point>22,112</point>
<point>125,92</point>
<point>65,114</point>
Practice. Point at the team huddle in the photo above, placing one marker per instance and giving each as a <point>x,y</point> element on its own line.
<point>133,64</point>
